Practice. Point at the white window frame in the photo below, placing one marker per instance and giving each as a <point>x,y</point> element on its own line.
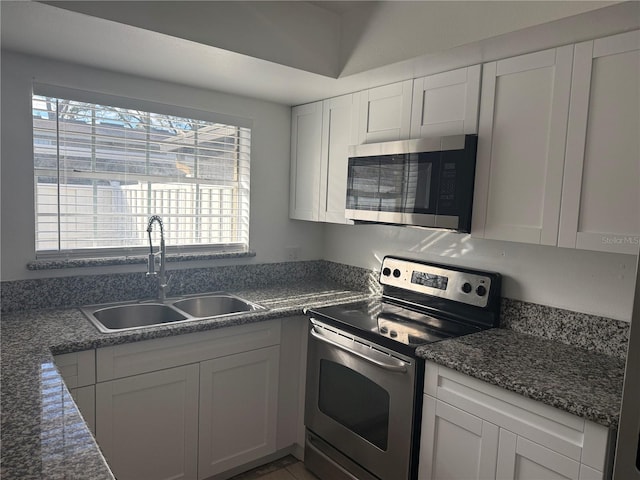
<point>155,107</point>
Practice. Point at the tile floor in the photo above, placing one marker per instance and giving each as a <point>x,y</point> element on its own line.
<point>287,468</point>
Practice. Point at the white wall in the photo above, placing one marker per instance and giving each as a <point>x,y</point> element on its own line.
<point>271,231</point>
<point>398,30</point>
<point>583,281</point>
<point>296,34</point>
<point>589,282</point>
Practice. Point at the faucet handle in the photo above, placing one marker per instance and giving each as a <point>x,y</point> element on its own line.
<point>151,265</point>
<point>167,281</point>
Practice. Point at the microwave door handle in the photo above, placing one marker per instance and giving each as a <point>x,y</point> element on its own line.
<point>387,366</point>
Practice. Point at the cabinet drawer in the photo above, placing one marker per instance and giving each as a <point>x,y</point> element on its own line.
<point>150,355</point>
<point>567,434</point>
<point>77,369</point>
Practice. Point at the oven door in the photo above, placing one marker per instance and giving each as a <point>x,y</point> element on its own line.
<point>360,400</point>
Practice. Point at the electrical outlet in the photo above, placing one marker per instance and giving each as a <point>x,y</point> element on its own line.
<point>292,253</point>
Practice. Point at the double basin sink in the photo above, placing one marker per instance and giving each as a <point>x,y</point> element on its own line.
<point>134,315</point>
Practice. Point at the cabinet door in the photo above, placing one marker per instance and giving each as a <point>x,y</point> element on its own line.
<point>521,145</point>
<point>521,459</point>
<point>147,425</point>
<point>588,473</point>
<point>292,378</point>
<point>78,369</point>
<point>306,132</point>
<point>238,409</point>
<point>455,444</point>
<point>601,192</point>
<point>446,103</point>
<point>385,113</point>
<point>85,398</point>
<point>339,130</point>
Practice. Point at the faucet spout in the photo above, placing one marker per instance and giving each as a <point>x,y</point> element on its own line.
<point>163,284</point>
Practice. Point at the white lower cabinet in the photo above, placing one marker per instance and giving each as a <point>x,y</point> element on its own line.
<point>78,370</point>
<point>85,398</point>
<point>522,459</point>
<point>189,406</point>
<point>474,430</point>
<point>448,431</point>
<point>147,425</point>
<point>238,409</point>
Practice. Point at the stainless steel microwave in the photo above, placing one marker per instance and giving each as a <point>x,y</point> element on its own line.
<point>426,182</point>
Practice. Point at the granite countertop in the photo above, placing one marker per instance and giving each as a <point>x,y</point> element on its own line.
<point>43,434</point>
<point>577,381</point>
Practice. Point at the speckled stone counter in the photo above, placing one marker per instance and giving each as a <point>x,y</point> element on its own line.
<point>583,383</point>
<point>43,434</point>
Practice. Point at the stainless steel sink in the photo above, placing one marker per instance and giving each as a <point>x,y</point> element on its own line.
<point>122,317</point>
<point>134,315</point>
<point>213,305</point>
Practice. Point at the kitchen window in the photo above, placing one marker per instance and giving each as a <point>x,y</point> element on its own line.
<point>101,169</point>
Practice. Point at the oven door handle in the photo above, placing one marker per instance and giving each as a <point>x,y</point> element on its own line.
<point>387,366</point>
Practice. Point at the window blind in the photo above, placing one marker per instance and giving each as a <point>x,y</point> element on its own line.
<point>101,170</point>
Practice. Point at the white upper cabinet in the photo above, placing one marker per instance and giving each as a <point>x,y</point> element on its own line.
<point>446,103</point>
<point>558,158</point>
<point>339,130</point>
<point>601,192</point>
<point>385,113</point>
<point>522,134</point>
<point>321,133</point>
<point>306,128</point>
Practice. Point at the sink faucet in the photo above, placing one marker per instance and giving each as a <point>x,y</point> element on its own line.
<point>163,283</point>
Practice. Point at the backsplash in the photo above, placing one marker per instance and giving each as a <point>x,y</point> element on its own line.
<point>591,332</point>
<point>599,334</point>
<point>93,289</point>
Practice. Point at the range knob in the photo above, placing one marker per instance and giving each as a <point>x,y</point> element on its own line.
<point>481,291</point>
<point>384,330</point>
<point>393,334</point>
<point>386,271</point>
<point>466,287</point>
<point>396,273</point>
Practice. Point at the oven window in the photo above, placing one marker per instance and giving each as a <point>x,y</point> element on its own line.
<point>354,401</point>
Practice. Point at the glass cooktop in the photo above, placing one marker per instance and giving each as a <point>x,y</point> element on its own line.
<point>379,320</point>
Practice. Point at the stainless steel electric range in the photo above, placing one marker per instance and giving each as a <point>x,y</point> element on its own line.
<point>364,381</point>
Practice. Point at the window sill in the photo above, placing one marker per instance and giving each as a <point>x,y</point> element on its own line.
<point>54,264</point>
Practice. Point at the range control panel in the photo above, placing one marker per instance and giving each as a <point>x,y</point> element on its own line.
<point>464,286</point>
